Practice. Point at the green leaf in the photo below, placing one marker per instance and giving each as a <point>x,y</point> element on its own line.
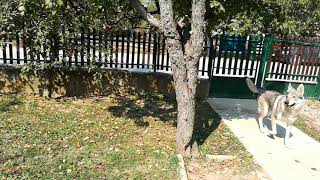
<point>48,3</point>
<point>59,2</point>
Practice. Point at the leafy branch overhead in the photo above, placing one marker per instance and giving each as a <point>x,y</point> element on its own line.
<point>251,17</point>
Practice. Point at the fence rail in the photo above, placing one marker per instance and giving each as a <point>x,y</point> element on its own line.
<point>293,59</point>
<point>122,50</point>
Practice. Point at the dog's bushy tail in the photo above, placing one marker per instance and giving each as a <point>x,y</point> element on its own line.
<point>253,88</point>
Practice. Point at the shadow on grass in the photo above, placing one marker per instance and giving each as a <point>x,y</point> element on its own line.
<point>207,121</point>
<point>164,109</point>
<point>141,106</point>
<point>7,104</point>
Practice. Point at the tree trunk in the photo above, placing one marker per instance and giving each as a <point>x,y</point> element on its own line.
<point>184,59</point>
<point>185,87</point>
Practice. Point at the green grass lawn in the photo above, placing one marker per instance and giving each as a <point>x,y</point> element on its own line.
<point>308,129</point>
<point>308,124</point>
<point>112,137</point>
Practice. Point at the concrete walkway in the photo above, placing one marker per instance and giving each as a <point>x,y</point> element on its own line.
<point>300,161</point>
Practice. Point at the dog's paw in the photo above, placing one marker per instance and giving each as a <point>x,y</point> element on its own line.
<point>263,130</point>
<point>271,136</point>
<point>289,145</point>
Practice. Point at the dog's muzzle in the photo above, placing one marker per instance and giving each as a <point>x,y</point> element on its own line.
<point>289,105</point>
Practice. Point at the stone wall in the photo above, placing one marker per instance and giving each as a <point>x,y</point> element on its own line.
<point>81,83</point>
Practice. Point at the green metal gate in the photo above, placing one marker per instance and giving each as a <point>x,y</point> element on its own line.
<point>271,62</point>
<point>233,59</point>
<point>292,60</point>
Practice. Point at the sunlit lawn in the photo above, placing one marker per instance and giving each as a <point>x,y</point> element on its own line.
<point>111,137</point>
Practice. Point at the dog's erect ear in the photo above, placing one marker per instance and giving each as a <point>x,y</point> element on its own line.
<point>289,87</point>
<point>301,89</point>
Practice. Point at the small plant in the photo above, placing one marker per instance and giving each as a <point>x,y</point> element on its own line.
<point>95,68</point>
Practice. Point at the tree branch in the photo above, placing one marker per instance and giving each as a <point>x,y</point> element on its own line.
<point>197,30</point>
<point>136,4</point>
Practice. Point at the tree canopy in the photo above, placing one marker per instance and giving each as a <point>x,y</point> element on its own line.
<point>38,21</point>
<point>39,18</point>
<point>290,17</point>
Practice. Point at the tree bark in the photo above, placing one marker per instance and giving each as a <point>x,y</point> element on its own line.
<point>185,69</point>
<point>144,13</point>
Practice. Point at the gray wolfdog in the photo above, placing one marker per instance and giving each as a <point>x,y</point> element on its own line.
<point>285,108</point>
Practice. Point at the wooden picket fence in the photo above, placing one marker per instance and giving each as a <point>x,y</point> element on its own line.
<point>292,59</point>
<point>295,59</point>
<point>136,51</point>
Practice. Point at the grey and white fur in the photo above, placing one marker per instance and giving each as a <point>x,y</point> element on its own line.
<point>279,107</point>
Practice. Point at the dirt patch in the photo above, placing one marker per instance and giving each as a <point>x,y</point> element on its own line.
<point>221,170</point>
<point>311,114</point>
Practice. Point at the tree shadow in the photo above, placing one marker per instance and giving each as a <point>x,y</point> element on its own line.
<point>141,106</point>
<point>8,103</point>
<point>164,109</point>
<point>207,121</point>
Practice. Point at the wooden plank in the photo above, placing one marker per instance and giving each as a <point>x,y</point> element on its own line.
<point>93,46</point>
<point>133,49</point>
<point>297,63</point>
<point>231,54</point>
<point>10,51</point>
<point>18,48</point>
<point>25,54</point>
<point>70,51</point>
<point>287,59</point>
<point>219,54</point>
<point>293,57</point>
<point>154,58</point>
<point>236,56</point>
<point>159,50</point>
<point>225,55</point>
<point>273,60</point>
<point>162,52</point>
<point>314,64</point>
<point>168,61</point>
<point>280,59</point>
<point>138,53</point>
<point>149,49</point>
<point>82,47</point>
<point>204,57</point>
<point>128,49</point>
<point>241,60</point>
<point>307,59</point>
<point>122,49</point>
<point>253,56</point>
<point>45,54</point>
<point>210,54</point>
<point>144,49</point>
<point>64,44</point>
<point>258,60</point>
<point>100,46</point>
<point>4,52</point>
<point>76,50</point>
<point>88,47</point>
<point>117,50</point>
<point>247,57</point>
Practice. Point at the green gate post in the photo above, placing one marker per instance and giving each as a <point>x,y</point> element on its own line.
<point>211,56</point>
<point>265,59</point>
<point>254,39</point>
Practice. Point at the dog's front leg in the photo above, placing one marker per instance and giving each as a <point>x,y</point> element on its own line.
<point>273,126</point>
<point>288,131</point>
<point>261,125</point>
